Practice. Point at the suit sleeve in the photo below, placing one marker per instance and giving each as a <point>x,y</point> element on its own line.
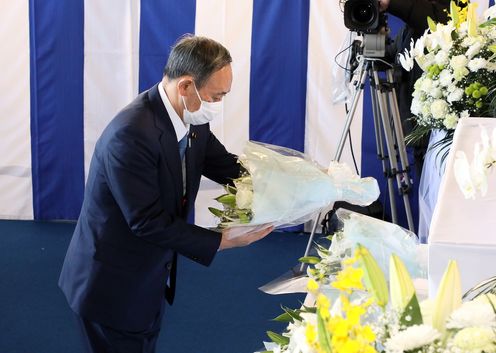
<point>414,12</point>
<point>131,165</point>
<point>220,165</point>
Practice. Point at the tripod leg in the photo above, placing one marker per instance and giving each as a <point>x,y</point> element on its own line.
<point>349,117</point>
<point>400,140</point>
<point>374,94</point>
<point>393,134</point>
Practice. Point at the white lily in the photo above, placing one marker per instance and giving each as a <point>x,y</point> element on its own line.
<point>448,298</point>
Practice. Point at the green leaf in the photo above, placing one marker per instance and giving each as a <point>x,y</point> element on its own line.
<point>227,199</point>
<point>277,338</point>
<point>244,216</point>
<point>284,317</point>
<point>488,23</point>
<point>309,309</point>
<point>216,212</point>
<point>412,313</point>
<point>312,260</point>
<point>323,334</point>
<point>289,315</point>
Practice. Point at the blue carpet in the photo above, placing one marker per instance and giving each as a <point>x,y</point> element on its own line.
<point>217,309</point>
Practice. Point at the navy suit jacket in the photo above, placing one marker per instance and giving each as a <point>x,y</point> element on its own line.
<point>132,221</point>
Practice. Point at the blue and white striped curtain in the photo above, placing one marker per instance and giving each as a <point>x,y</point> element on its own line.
<point>69,66</point>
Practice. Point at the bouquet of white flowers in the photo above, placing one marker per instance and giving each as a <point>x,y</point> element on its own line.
<point>283,187</point>
<point>458,63</point>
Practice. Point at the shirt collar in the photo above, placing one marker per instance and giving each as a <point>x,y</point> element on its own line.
<point>179,127</point>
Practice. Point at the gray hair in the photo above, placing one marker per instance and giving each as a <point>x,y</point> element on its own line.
<point>197,56</point>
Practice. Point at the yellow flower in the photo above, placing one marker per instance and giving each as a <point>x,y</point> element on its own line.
<point>310,333</point>
<point>354,313</point>
<point>351,346</point>
<point>312,286</point>
<point>366,334</point>
<point>323,305</point>
<point>348,279</point>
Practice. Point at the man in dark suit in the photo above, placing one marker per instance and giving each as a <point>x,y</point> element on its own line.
<point>143,180</point>
<point>414,13</point>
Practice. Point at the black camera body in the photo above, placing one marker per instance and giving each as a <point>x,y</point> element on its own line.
<point>363,16</point>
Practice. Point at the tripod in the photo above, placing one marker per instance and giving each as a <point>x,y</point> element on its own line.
<point>388,132</point>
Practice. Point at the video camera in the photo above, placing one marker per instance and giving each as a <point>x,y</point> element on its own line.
<point>364,17</point>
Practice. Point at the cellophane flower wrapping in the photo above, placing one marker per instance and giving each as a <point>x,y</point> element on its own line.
<point>290,189</point>
<point>382,239</point>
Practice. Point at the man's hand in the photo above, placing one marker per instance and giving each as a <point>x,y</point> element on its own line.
<point>243,240</point>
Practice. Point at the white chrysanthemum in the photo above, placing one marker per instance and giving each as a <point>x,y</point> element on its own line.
<point>244,198</point>
<point>437,93</point>
<point>426,85</point>
<point>446,78</point>
<point>490,66</point>
<point>473,50</point>
<point>455,95</point>
<point>458,62</point>
<point>458,74</point>
<point>244,193</point>
<point>426,110</point>
<point>439,108</point>
<point>413,337</point>
<point>476,64</point>
<point>475,340</point>
<point>441,58</point>
<point>450,121</point>
<point>473,313</point>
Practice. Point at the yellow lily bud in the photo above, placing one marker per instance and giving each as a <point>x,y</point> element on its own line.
<point>400,282</point>
<point>454,13</point>
<point>374,278</point>
<point>472,19</point>
<point>448,298</point>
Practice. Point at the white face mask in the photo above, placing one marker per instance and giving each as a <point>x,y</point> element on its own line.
<point>206,113</point>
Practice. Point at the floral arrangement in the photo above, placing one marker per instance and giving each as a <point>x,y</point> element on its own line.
<point>283,187</point>
<point>471,177</point>
<point>367,317</point>
<point>458,64</point>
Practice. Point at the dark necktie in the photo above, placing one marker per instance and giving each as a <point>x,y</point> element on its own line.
<point>182,146</point>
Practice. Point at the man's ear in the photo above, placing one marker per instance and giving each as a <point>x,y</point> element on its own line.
<point>184,84</point>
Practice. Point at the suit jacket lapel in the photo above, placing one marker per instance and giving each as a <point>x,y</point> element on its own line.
<point>168,140</point>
